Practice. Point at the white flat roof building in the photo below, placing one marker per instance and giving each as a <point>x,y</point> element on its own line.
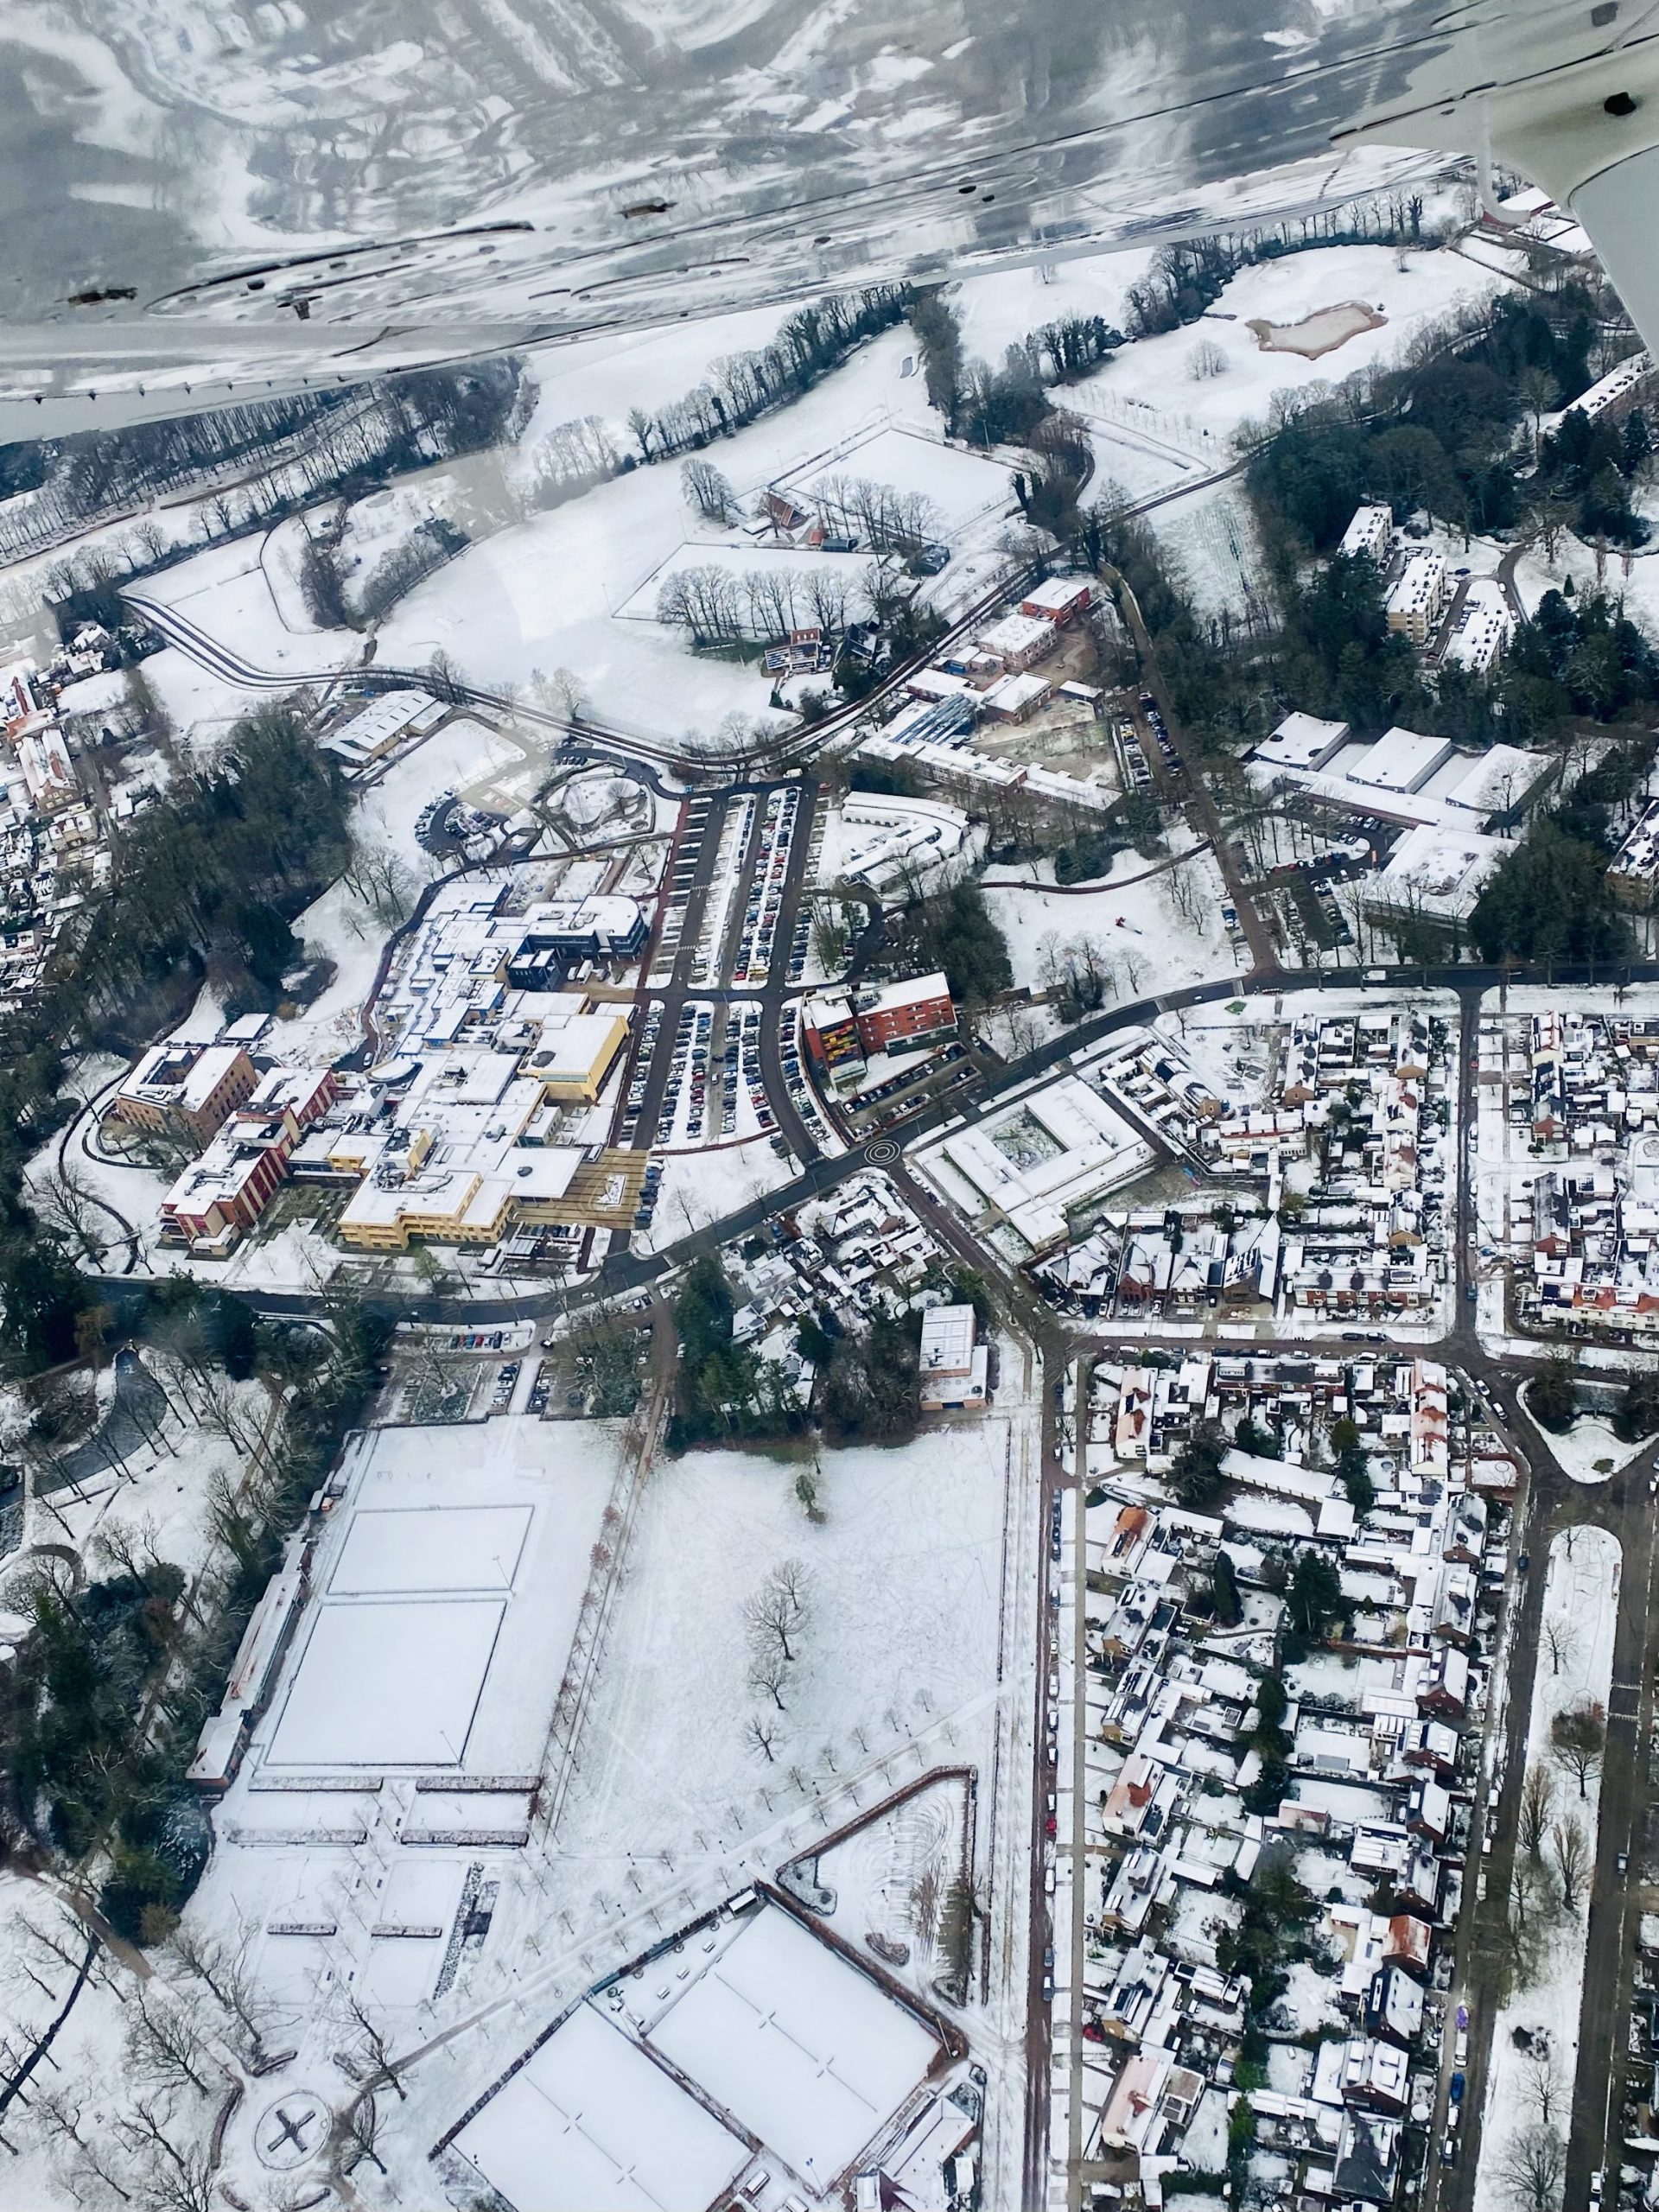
<point>1400,760</point>
<point>1022,1169</point>
<point>1370,532</point>
<point>1439,874</point>
<point>1056,597</point>
<point>1011,698</point>
<point>954,1369</point>
<point>1414,603</point>
<point>1502,779</point>
<point>1303,742</point>
<point>392,716</point>
<point>1019,639</point>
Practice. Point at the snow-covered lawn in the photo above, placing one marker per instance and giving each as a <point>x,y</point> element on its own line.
<point>240,593</point>
<point>964,487</point>
<point>1581,1611</point>
<point>1157,372</point>
<point>700,1187</point>
<point>1212,538</point>
<point>789,568</point>
<point>1589,1451</point>
<point>1152,943</point>
<point>900,1646</point>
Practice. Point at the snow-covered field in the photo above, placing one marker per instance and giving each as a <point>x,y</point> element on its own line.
<point>546,593</point>
<point>1153,943</point>
<point>702,1186</point>
<point>1581,1612</point>
<point>671,1804</point>
<point>964,487</point>
<point>1157,372</point>
<point>789,571</point>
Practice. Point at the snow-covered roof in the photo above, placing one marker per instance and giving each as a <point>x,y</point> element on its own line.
<point>1438,872</point>
<point>1303,742</point>
<point>1400,760</point>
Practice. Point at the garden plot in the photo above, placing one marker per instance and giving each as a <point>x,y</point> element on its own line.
<point>775,584</point>
<point>963,488</point>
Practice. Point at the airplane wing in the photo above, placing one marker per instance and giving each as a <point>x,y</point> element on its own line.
<point>205,199</point>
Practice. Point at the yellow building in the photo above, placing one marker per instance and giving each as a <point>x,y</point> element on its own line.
<point>457,1205</point>
<point>575,1054</point>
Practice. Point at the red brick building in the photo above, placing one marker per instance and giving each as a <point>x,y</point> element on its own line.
<point>901,1015</point>
<point>842,1028</point>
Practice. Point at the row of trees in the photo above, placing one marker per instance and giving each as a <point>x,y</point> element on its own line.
<point>740,386</point>
<point>882,518</point>
<point>288,453</point>
<point>718,605</point>
<point>1010,405</point>
<point>336,602</point>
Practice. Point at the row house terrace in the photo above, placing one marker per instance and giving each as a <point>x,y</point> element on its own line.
<point>1376,1792</point>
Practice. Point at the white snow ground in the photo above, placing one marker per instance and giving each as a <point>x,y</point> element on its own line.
<point>1581,1597</point>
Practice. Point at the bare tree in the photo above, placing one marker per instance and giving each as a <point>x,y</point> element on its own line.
<point>708,491</point>
<point>67,1202</point>
<point>1532,2167</point>
<point>225,1967</point>
<point>1569,1847</point>
<point>1537,1803</point>
<point>1560,1640</point>
<point>59,2116</point>
<point>374,2047</point>
<point>166,2044</point>
<point>59,1939</point>
<point>1541,2078</point>
<point>1579,1736</point>
<point>775,1613</point>
<point>362,2132</point>
<point>173,2177</point>
<point>767,1675</point>
<point>445,677</point>
<point>760,1732</point>
<point>1206,359</point>
<point>563,694</point>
